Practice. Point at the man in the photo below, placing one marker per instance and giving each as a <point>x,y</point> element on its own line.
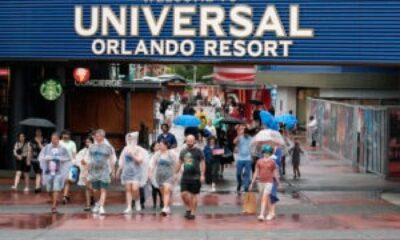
<point>102,160</point>
<point>70,145</point>
<point>55,162</point>
<point>243,163</point>
<point>312,126</point>
<point>194,168</point>
<point>167,136</point>
<point>216,102</point>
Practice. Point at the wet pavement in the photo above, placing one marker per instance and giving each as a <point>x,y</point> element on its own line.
<point>330,201</point>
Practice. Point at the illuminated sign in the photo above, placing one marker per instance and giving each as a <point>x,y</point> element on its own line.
<point>81,75</point>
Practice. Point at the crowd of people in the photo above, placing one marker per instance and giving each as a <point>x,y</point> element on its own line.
<point>207,150</point>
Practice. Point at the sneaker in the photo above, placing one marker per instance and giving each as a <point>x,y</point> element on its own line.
<point>26,189</point>
<point>261,218</point>
<point>165,211</point>
<point>270,217</point>
<point>191,217</point>
<point>102,211</point>
<point>65,200</point>
<point>13,187</point>
<point>138,207</point>
<point>188,213</point>
<point>213,188</point>
<point>96,208</point>
<point>128,211</point>
<point>38,190</point>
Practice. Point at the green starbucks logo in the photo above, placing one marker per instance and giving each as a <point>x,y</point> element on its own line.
<point>51,89</point>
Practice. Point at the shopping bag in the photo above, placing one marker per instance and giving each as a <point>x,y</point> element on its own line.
<point>249,203</point>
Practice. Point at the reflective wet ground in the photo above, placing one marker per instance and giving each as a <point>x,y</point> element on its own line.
<point>330,201</point>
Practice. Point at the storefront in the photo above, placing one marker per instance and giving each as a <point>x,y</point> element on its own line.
<point>43,40</point>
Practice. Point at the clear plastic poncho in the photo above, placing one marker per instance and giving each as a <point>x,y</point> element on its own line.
<point>55,162</point>
<point>102,160</point>
<point>131,170</point>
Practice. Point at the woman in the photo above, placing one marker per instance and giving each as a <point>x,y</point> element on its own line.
<point>84,172</point>
<point>55,161</point>
<point>162,172</point>
<point>22,153</point>
<point>212,153</point>
<point>37,144</point>
<point>131,169</point>
<point>155,189</point>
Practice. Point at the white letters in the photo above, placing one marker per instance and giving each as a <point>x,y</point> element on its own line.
<point>108,17</point>
<point>270,22</point>
<point>94,22</point>
<point>241,16</point>
<point>295,30</point>
<point>181,20</point>
<point>212,17</point>
<point>155,26</point>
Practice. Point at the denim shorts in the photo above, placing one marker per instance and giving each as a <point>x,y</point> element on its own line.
<point>54,183</point>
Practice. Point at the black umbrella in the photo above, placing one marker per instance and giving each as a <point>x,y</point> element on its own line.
<point>256,102</point>
<point>37,122</point>
<point>232,120</point>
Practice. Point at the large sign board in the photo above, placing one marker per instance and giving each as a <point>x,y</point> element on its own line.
<point>258,31</point>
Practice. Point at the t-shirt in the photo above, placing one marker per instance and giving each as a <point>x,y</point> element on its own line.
<point>244,148</point>
<point>191,159</point>
<point>70,146</point>
<point>169,137</point>
<point>266,168</point>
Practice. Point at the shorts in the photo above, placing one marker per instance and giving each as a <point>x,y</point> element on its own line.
<point>54,184</point>
<point>97,185</point>
<point>22,166</point>
<point>265,188</point>
<point>36,167</point>
<point>191,186</point>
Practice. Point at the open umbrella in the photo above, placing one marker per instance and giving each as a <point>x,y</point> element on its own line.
<point>256,102</point>
<point>187,121</point>
<point>268,120</point>
<point>37,122</point>
<point>232,120</point>
<point>289,120</point>
<point>268,136</point>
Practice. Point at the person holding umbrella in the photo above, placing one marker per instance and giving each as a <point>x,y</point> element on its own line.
<point>22,153</point>
<point>55,162</point>
<point>37,144</point>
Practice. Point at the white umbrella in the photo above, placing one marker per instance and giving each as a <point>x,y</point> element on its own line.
<point>268,136</point>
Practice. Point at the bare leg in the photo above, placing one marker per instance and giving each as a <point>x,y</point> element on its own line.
<point>166,193</point>
<point>186,200</point>
<point>66,188</point>
<point>264,203</point>
<point>194,203</point>
<point>135,191</point>
<point>128,192</point>
<point>26,178</point>
<point>37,181</point>
<point>17,178</point>
<point>103,195</point>
<point>54,198</point>
<point>87,196</point>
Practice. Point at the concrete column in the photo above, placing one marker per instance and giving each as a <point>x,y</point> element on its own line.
<point>128,112</point>
<point>60,104</point>
<point>16,113</point>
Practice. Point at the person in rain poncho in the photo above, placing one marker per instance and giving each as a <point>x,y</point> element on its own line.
<point>102,160</point>
<point>83,163</point>
<point>133,166</point>
<point>55,162</point>
<point>162,173</point>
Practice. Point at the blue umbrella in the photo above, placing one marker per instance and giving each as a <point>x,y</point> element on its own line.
<point>268,120</point>
<point>187,121</point>
<point>289,120</point>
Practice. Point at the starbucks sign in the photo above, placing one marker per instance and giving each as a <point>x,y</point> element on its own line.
<point>51,89</point>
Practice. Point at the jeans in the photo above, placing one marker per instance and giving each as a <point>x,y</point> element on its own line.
<point>243,174</point>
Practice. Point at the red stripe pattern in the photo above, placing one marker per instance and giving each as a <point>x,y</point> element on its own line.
<point>235,74</point>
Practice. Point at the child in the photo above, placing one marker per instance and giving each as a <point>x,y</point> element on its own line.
<point>83,176</point>
<point>155,188</point>
<point>295,151</point>
<point>266,172</point>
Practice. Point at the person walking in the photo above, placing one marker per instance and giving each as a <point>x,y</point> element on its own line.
<point>212,154</point>
<point>55,161</point>
<point>102,160</point>
<point>167,136</point>
<point>70,145</point>
<point>132,166</point>
<point>143,140</point>
<point>244,160</point>
<point>313,127</point>
<point>155,189</point>
<point>193,162</point>
<point>37,144</point>
<point>266,173</point>
<point>22,153</point>
<point>162,173</point>
<point>295,152</point>
<point>84,172</point>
